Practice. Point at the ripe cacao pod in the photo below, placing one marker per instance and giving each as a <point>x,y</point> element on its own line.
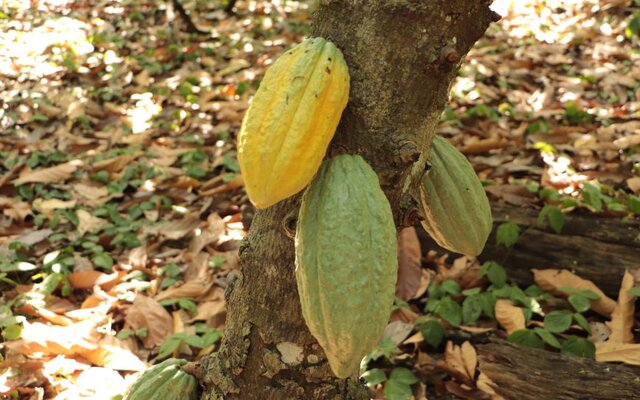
<point>456,209</point>
<point>165,381</point>
<point>346,261</point>
<point>292,118</point>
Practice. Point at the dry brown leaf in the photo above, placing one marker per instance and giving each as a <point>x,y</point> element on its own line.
<point>113,353</point>
<point>90,192</point>
<point>115,164</point>
<point>510,317</point>
<point>514,194</point>
<point>483,146</point>
<point>178,229</point>
<point>476,330</point>
<point>89,223</point>
<point>58,173</point>
<point>69,340</point>
<point>552,280</point>
<point>409,264</point>
<point>14,209</point>
<point>404,314</point>
<point>194,289</point>
<point>414,339</point>
<point>426,275</point>
<point>470,359</point>
<point>459,267</point>
<point>627,141</point>
<point>621,323</point>
<point>210,233</point>
<point>89,278</point>
<point>148,313</point>
<point>48,207</point>
<point>95,383</point>
<point>634,184</point>
<point>488,386</point>
<point>627,353</point>
<point>212,308</point>
<point>46,314</point>
<point>453,358</point>
<point>34,237</point>
<point>233,184</point>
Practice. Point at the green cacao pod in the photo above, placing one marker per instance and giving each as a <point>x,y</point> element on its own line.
<point>346,261</point>
<point>165,381</point>
<point>456,209</point>
<point>292,118</point>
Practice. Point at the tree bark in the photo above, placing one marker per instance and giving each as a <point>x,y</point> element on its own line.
<point>595,248</point>
<point>402,57</point>
<point>530,374</point>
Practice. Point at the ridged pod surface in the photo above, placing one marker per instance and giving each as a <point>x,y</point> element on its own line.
<point>165,381</point>
<point>292,118</point>
<point>456,209</point>
<point>346,261</point>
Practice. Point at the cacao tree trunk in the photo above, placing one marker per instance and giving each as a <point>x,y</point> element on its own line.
<point>402,57</point>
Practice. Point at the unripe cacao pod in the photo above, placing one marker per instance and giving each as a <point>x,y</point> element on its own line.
<point>292,118</point>
<point>165,381</point>
<point>346,261</point>
<point>455,206</point>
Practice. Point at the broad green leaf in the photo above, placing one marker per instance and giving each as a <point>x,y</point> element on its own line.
<point>526,337</point>
<point>394,390</point>
<point>403,375</point>
<point>471,309</point>
<point>556,219</point>
<point>374,377</point>
<point>433,332</point>
<point>592,197</point>
<point>12,332</point>
<point>450,286</point>
<point>450,311</point>
<point>547,337</point>
<point>488,304</point>
<point>507,234</point>
<point>557,321</point>
<point>582,321</point>
<point>579,347</point>
<point>579,302</point>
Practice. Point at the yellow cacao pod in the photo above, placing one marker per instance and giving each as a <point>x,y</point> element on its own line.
<point>292,118</point>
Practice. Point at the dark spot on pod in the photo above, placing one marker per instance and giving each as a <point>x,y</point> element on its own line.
<point>328,70</point>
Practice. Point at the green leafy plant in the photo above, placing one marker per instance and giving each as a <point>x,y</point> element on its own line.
<point>125,334</point>
<point>184,303</point>
<point>507,234</point>
<point>203,337</point>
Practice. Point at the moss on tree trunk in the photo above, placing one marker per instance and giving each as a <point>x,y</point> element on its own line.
<point>402,57</point>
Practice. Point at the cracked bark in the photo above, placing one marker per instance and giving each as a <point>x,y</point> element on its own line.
<point>402,57</point>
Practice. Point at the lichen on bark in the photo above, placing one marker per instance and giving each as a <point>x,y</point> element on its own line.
<point>400,82</point>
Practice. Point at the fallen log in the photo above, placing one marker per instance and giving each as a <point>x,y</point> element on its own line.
<point>523,373</point>
<point>595,248</point>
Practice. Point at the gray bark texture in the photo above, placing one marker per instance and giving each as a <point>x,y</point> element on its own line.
<point>402,57</point>
<point>524,373</point>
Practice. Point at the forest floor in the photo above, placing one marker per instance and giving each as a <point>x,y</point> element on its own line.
<point>121,203</point>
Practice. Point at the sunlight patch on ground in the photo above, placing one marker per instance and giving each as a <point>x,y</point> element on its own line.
<point>544,20</point>
<point>145,109</point>
<point>42,51</point>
